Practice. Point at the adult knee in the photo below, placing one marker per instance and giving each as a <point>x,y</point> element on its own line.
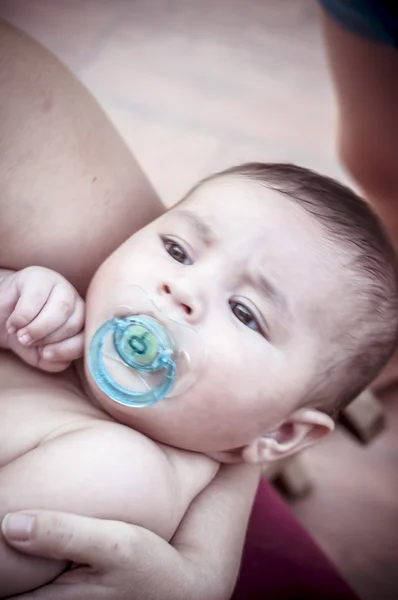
<point>372,165</point>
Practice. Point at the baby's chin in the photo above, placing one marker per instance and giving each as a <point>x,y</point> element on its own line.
<point>152,421</point>
<point>169,422</point>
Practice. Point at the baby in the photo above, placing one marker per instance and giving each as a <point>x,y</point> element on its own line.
<point>291,287</point>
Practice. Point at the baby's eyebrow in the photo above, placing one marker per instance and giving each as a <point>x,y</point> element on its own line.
<point>202,228</point>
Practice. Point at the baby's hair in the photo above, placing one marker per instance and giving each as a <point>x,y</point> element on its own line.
<point>370,337</point>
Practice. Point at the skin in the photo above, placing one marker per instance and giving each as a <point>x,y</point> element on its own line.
<point>207,276</point>
<point>45,115</point>
<point>365,74</point>
<point>71,191</point>
<point>41,318</point>
<point>118,558</point>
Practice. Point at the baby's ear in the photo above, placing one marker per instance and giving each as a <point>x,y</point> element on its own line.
<point>302,429</point>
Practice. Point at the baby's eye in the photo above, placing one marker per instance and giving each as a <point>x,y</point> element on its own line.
<point>176,251</point>
<point>245,315</point>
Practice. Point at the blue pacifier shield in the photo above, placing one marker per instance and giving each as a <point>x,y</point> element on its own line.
<point>139,358</point>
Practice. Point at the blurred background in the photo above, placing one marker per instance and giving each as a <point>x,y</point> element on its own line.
<point>198,85</point>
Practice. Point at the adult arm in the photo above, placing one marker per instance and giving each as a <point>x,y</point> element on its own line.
<point>117,561</point>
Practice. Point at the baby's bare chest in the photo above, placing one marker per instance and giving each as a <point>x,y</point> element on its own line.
<point>35,406</point>
<point>39,411</point>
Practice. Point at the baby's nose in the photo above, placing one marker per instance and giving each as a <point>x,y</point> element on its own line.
<point>179,296</point>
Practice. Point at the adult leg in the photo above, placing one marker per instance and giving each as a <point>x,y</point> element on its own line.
<point>70,190</point>
<point>365,74</point>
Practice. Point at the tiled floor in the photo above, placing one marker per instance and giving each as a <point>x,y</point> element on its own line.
<point>195,86</point>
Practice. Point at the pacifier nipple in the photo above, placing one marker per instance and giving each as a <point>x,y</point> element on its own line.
<point>140,356</point>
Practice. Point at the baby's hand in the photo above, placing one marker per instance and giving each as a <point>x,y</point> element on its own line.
<point>46,319</point>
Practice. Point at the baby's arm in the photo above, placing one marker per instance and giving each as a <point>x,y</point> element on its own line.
<point>41,318</point>
<point>104,470</point>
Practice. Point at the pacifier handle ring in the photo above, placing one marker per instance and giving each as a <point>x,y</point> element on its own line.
<point>115,391</point>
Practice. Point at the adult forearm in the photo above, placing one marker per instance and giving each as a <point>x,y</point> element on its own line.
<point>219,518</point>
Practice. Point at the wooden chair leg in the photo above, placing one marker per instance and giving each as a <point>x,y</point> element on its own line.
<point>291,477</point>
<point>364,417</point>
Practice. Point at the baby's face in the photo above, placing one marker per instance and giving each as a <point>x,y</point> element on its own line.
<point>247,269</point>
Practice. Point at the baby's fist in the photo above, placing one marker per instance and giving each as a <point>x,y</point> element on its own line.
<point>46,320</point>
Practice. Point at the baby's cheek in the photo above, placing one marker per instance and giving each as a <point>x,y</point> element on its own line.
<point>233,364</point>
<point>221,383</point>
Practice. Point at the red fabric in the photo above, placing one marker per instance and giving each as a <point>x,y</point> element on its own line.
<point>281,561</point>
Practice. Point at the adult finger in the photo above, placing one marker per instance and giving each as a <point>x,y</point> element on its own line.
<point>63,536</point>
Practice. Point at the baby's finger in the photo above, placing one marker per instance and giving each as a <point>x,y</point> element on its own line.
<point>65,351</point>
<point>58,308</point>
<point>70,328</point>
<point>27,308</point>
<point>53,367</point>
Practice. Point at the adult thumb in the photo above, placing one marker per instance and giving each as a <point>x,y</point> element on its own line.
<point>63,536</point>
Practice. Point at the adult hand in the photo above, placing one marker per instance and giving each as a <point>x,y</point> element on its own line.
<point>117,561</point>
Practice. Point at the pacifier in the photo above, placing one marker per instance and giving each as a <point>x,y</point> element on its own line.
<point>140,356</point>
